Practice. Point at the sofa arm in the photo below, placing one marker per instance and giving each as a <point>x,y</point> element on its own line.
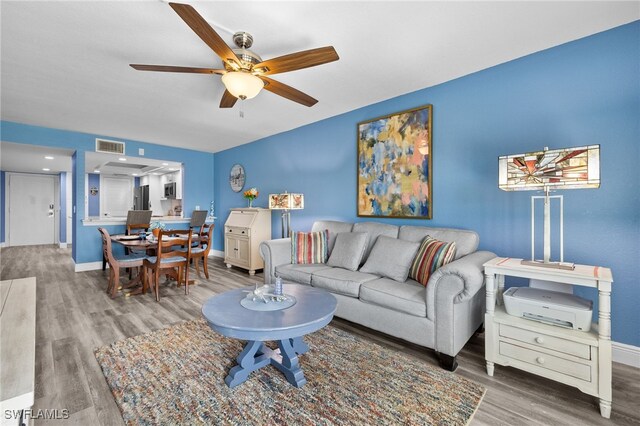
<point>455,301</point>
<point>274,253</point>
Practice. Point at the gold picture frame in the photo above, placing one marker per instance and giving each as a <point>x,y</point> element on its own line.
<point>394,165</point>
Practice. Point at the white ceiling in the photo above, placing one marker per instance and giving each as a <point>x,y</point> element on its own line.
<point>65,64</point>
<point>17,157</point>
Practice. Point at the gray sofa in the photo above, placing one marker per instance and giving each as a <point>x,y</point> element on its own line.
<point>442,316</point>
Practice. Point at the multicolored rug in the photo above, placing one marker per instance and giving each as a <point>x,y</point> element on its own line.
<point>176,376</point>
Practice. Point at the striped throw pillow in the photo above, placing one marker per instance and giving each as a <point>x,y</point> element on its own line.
<point>431,255</point>
<point>309,247</point>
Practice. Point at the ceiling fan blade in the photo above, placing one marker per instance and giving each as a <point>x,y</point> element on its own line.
<point>298,60</point>
<point>288,92</point>
<point>171,68</point>
<point>228,100</point>
<point>202,28</point>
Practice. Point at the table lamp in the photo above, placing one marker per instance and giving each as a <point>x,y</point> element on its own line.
<point>548,170</point>
<point>286,202</point>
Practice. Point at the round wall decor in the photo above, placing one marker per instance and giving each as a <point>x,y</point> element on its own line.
<point>236,178</point>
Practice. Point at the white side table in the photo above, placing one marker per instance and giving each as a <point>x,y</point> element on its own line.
<point>576,358</point>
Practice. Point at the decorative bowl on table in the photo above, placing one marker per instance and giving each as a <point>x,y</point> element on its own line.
<point>264,299</point>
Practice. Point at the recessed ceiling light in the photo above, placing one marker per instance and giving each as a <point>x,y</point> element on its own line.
<point>172,169</point>
<point>122,159</point>
<point>134,174</point>
<point>96,171</point>
<point>48,157</point>
<point>165,164</point>
<point>45,169</point>
<point>155,173</point>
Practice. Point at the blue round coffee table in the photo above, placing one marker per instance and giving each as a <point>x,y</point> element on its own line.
<point>314,308</point>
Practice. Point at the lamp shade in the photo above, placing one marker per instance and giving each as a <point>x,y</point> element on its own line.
<point>242,85</point>
<point>286,201</point>
<point>566,168</point>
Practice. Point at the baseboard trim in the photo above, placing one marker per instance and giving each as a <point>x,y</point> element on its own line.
<point>62,245</point>
<point>216,253</point>
<point>625,354</point>
<point>89,266</point>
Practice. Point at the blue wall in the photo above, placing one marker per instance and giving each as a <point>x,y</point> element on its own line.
<point>94,200</point>
<point>579,93</point>
<point>87,246</point>
<point>2,197</point>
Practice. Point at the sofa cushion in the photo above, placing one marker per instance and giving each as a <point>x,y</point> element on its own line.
<point>466,241</point>
<point>299,273</point>
<point>334,228</point>
<point>391,258</point>
<point>348,250</point>
<point>374,229</point>
<point>309,247</point>
<point>431,255</point>
<point>408,297</point>
<point>341,281</point>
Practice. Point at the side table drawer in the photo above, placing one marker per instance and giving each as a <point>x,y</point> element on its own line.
<point>538,339</point>
<point>546,361</point>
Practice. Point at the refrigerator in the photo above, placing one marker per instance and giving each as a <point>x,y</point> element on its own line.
<point>141,198</point>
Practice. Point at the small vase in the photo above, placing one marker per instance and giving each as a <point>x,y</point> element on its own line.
<point>250,202</point>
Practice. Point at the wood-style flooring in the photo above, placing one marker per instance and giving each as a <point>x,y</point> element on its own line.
<point>75,315</point>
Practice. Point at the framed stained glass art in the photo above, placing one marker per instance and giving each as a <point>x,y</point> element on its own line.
<point>566,168</point>
<point>394,165</point>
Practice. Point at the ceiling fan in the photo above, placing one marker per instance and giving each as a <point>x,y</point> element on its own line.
<point>245,73</point>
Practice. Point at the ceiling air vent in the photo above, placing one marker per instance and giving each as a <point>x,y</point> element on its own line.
<point>110,147</point>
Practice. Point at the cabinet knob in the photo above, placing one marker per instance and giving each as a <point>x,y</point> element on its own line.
<point>540,360</point>
<point>243,232</point>
<point>230,230</point>
<point>539,340</point>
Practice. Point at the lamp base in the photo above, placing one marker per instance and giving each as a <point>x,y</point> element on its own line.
<point>553,265</point>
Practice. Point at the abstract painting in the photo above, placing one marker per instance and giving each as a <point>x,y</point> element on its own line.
<point>394,165</point>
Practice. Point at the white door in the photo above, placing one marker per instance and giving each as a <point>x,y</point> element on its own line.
<point>116,197</point>
<point>31,209</point>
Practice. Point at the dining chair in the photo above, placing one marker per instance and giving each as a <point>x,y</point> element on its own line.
<point>134,260</point>
<point>168,258</point>
<point>138,220</point>
<point>201,248</point>
<point>198,220</point>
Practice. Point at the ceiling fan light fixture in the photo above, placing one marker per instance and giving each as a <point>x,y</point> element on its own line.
<point>242,84</point>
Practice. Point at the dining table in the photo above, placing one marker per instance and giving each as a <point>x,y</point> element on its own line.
<point>150,245</point>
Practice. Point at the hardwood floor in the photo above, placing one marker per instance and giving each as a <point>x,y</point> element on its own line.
<point>75,315</point>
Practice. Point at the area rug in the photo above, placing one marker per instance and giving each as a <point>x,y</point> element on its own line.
<point>176,376</point>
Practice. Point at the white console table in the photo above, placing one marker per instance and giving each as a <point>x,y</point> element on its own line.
<point>576,358</point>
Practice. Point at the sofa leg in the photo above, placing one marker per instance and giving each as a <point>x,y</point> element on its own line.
<point>480,329</point>
<point>448,362</point>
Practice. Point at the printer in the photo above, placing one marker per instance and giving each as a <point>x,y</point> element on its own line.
<point>549,307</point>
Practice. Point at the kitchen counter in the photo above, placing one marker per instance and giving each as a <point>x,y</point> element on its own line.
<point>105,221</point>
